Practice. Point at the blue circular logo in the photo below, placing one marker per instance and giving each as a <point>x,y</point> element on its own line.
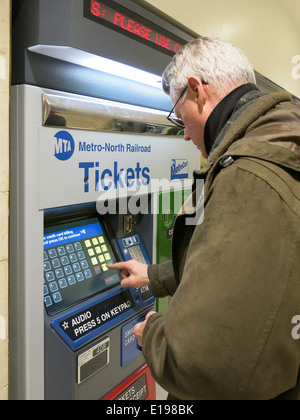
<point>64,145</point>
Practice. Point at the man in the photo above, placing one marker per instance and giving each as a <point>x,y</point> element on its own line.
<point>235,278</point>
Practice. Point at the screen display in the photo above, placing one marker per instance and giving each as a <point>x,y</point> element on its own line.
<point>75,258</point>
<point>123,20</point>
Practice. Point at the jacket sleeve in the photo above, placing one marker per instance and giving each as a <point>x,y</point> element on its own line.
<point>227,333</point>
<point>162,279</point>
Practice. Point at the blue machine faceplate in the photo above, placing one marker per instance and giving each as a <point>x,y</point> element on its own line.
<point>91,320</point>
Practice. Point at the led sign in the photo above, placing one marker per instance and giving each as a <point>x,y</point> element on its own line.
<point>124,21</point>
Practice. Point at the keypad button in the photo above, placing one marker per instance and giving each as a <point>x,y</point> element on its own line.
<point>70,248</point>
<point>71,280</point>
<point>87,274</point>
<point>64,260</point>
<point>97,269</point>
<point>88,243</point>
<point>77,246</point>
<point>50,276</point>
<point>94,261</point>
<point>79,276</point>
<point>104,268</point>
<point>47,266</point>
<point>81,255</point>
<point>111,280</point>
<point>61,250</point>
<point>76,267</point>
<point>52,253</point>
<point>62,283</point>
<point>73,258</point>
<point>53,286</point>
<point>95,241</point>
<point>57,297</point>
<point>56,263</point>
<point>68,270</point>
<point>48,301</point>
<point>59,273</point>
<point>45,256</point>
<point>84,264</point>
<point>46,290</point>
<point>91,252</point>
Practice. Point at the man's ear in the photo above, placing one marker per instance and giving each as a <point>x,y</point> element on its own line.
<point>194,83</point>
<point>198,90</point>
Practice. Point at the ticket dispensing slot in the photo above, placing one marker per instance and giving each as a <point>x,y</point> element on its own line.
<point>88,314</point>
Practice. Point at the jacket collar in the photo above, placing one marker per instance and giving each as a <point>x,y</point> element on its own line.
<point>223,111</point>
<point>235,131</point>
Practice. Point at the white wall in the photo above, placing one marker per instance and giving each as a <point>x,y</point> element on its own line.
<point>268,31</point>
<point>4,191</point>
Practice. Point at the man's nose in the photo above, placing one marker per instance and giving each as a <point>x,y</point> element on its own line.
<point>186,137</point>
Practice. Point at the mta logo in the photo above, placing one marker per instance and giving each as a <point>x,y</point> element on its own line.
<point>64,146</point>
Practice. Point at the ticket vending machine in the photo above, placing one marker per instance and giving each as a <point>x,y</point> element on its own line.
<point>89,319</point>
<point>91,149</point>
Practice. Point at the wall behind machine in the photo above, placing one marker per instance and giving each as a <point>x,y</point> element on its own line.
<point>4,192</point>
<point>267,31</point>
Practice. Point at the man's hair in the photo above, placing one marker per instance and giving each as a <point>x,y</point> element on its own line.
<point>218,63</point>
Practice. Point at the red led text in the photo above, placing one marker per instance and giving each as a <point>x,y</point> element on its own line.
<point>118,19</point>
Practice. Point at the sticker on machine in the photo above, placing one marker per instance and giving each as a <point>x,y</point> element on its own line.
<point>179,169</point>
<point>92,360</point>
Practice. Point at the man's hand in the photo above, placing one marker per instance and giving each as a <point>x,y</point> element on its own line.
<point>134,273</point>
<point>139,328</point>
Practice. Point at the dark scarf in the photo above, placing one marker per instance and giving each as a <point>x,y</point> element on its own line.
<point>224,112</point>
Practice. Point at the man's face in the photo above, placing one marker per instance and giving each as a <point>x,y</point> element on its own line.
<point>193,121</point>
<point>194,111</point>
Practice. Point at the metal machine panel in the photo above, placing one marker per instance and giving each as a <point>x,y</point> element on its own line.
<point>90,165</point>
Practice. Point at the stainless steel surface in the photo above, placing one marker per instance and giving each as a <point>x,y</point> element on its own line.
<point>70,111</point>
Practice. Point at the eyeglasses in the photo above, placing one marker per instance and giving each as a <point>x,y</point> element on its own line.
<point>175,120</point>
<point>172,118</point>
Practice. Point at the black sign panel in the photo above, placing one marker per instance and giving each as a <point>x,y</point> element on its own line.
<point>146,292</point>
<point>124,21</point>
<point>87,320</point>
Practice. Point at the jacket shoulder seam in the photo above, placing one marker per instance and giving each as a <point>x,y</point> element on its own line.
<point>269,172</point>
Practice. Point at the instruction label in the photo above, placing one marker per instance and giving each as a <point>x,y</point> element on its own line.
<point>85,321</point>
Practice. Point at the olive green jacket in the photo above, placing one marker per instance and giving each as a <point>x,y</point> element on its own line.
<point>235,278</point>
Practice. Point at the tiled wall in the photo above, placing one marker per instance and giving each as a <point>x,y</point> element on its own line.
<point>4,191</point>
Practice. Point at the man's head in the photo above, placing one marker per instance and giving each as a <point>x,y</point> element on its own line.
<point>206,70</point>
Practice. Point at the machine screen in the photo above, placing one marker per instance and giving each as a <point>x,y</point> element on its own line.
<point>75,258</point>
